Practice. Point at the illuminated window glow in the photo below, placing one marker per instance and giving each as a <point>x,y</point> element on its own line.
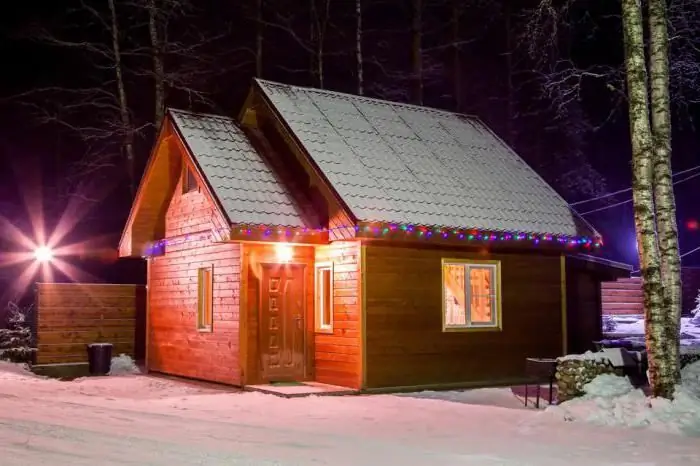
<point>471,295</point>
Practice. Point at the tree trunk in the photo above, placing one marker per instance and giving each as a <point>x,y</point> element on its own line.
<point>664,198</point>
<point>417,52</point>
<point>158,67</point>
<point>358,47</point>
<point>128,133</point>
<point>642,194</point>
<point>510,111</point>
<point>259,39</point>
<point>456,58</point>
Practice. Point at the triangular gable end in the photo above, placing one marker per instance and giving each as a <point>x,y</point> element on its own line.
<point>258,110</point>
<point>146,221</point>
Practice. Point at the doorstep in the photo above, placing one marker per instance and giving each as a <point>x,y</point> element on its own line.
<point>299,389</point>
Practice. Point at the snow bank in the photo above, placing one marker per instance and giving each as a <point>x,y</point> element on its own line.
<point>122,365</point>
<point>11,370</point>
<point>611,400</point>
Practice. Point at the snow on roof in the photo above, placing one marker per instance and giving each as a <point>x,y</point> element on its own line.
<point>245,186</point>
<point>399,163</point>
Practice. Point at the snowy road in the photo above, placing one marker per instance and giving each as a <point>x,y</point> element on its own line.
<point>141,420</point>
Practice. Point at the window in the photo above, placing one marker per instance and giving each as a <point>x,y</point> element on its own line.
<point>324,297</point>
<point>471,295</point>
<point>189,182</point>
<point>205,301</point>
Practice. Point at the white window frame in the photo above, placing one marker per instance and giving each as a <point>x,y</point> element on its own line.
<point>205,299</point>
<point>321,326</point>
<point>496,322</point>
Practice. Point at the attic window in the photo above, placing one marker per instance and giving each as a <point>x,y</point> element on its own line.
<point>189,182</point>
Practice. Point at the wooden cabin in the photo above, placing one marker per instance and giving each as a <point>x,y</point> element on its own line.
<point>350,241</point>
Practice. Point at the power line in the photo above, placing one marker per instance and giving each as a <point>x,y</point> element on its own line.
<point>604,196</point>
<point>694,175</point>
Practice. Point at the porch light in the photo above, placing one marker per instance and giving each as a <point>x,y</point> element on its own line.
<point>284,252</point>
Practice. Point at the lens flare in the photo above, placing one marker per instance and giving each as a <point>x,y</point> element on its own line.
<point>43,254</point>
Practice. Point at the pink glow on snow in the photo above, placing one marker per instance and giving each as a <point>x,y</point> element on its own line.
<point>138,419</point>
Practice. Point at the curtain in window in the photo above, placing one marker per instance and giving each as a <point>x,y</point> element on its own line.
<point>480,293</point>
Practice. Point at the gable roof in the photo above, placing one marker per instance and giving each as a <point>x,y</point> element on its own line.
<point>398,163</point>
<point>247,189</point>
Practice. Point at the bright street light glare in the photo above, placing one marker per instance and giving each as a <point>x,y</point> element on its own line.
<point>43,254</point>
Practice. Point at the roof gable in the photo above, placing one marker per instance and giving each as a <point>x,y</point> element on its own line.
<point>398,163</point>
<point>245,186</point>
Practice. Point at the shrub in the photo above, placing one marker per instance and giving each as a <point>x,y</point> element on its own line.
<point>16,339</point>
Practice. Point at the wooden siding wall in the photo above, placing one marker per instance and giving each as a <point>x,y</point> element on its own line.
<point>253,256</point>
<point>71,315</point>
<point>405,344</point>
<point>338,356</point>
<point>623,297</point>
<point>175,346</point>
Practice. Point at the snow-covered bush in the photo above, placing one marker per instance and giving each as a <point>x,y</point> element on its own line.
<point>122,365</point>
<point>16,339</point>
<point>696,311</point>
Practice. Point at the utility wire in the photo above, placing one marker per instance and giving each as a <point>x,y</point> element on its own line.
<point>604,196</point>
<point>694,175</point>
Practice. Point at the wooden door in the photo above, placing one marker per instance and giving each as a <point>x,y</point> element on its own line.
<point>282,327</point>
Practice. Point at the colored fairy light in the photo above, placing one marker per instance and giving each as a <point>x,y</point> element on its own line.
<point>388,230</point>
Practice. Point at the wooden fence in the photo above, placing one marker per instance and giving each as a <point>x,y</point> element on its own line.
<point>71,315</point>
<point>624,296</point>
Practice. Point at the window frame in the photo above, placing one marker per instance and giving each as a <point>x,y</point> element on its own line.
<point>188,172</point>
<point>205,291</point>
<point>319,325</point>
<point>495,266</point>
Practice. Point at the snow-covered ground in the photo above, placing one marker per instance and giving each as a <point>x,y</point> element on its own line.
<point>612,400</point>
<point>144,420</point>
<point>631,327</point>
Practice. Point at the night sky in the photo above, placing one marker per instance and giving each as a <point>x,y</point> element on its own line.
<point>210,58</point>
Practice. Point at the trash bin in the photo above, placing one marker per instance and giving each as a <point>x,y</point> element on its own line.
<point>99,358</point>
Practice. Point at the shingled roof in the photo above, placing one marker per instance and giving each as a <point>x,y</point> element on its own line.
<point>246,187</point>
<point>398,163</point>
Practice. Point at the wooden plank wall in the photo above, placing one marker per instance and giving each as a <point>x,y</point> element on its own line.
<point>71,315</point>
<point>405,344</point>
<point>623,297</point>
<point>174,345</point>
<point>338,355</point>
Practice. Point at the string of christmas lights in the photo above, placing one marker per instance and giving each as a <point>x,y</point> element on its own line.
<point>419,231</point>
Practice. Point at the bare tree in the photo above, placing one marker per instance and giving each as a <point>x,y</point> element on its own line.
<point>98,113</point>
<point>127,128</point>
<point>156,18</point>
<point>656,309</point>
<point>648,97</point>
<point>457,56</point>
<point>358,47</point>
<point>664,198</point>
<point>259,28</point>
<point>417,51</point>
<point>320,18</point>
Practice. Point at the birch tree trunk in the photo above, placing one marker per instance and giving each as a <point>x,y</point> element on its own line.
<point>259,39</point>
<point>125,118</point>
<point>643,198</point>
<point>664,198</point>
<point>319,26</point>
<point>358,47</point>
<point>158,66</point>
<point>417,52</point>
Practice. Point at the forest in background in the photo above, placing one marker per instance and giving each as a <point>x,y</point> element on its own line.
<point>93,80</point>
